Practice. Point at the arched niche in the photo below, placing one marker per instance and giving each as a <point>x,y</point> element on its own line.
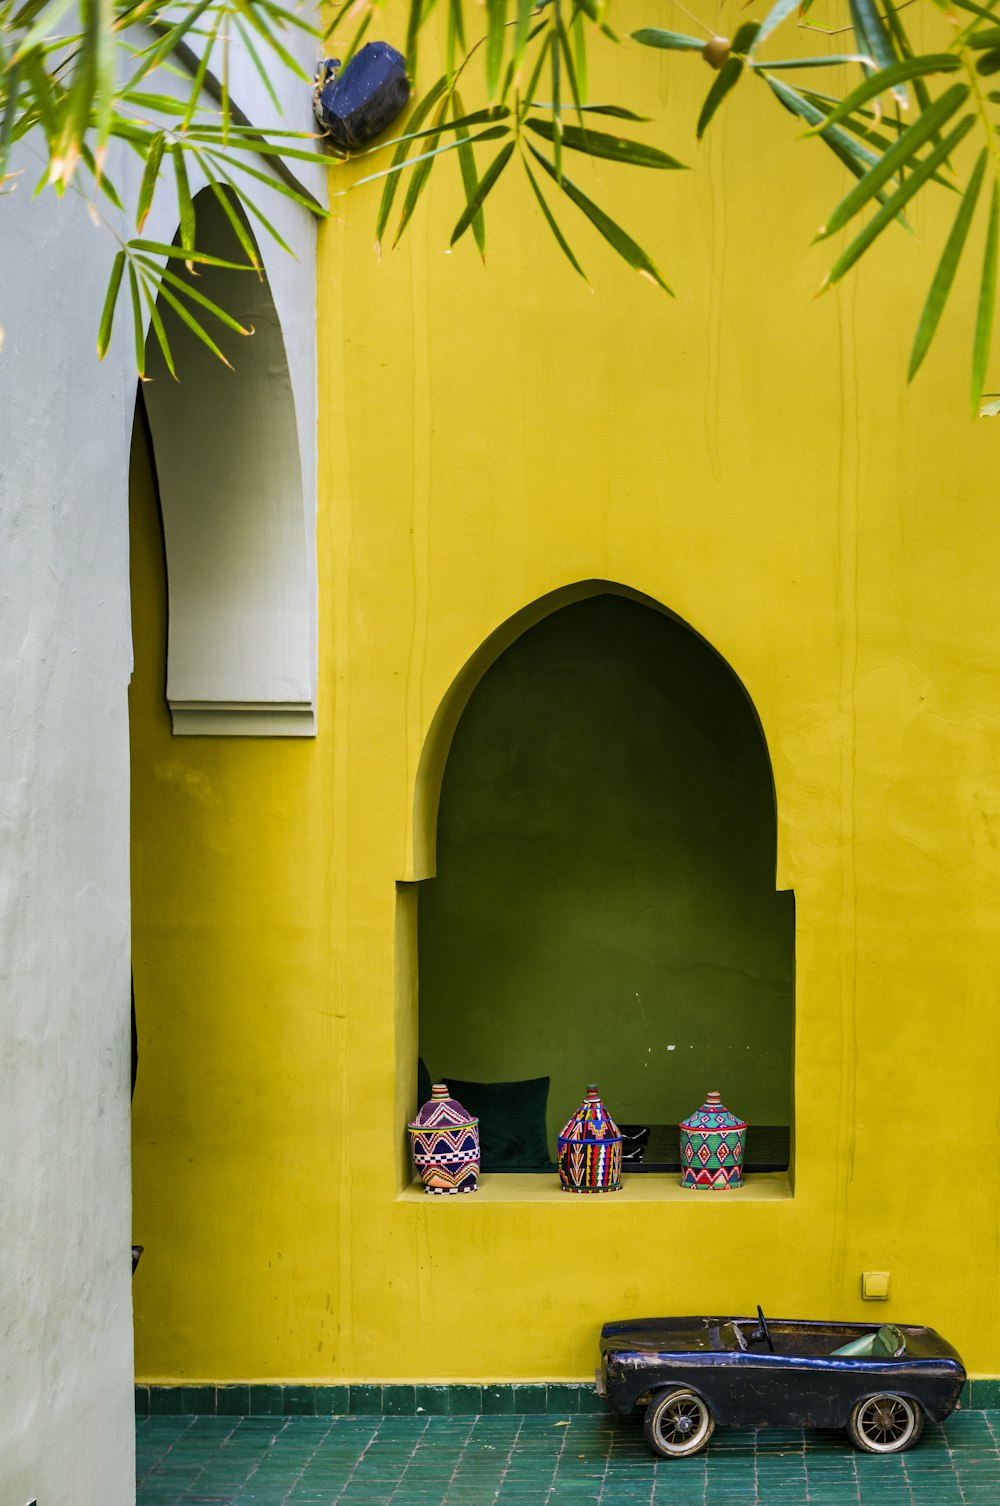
<point>241,644</point>
<point>604,905</point>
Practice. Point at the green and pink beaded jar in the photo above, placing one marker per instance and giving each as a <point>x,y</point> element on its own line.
<point>712,1142</point>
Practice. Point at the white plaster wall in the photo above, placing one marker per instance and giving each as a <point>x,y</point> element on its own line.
<point>66,1423</point>
<point>66,1399</point>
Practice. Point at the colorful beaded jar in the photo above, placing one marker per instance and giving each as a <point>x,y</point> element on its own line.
<point>712,1141</point>
<point>590,1149</point>
<point>445,1142</point>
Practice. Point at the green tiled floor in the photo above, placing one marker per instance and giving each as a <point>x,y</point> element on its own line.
<point>545,1461</point>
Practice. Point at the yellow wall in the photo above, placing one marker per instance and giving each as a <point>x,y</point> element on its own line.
<point>749,457</point>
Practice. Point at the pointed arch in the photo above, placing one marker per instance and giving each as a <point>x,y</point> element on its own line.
<point>237,515</point>
<point>603,902</point>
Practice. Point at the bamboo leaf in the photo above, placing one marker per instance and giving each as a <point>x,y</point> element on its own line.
<point>553,226</point>
<point>477,117</point>
<point>42,30</point>
<point>470,178</point>
<point>474,207</point>
<point>262,73</point>
<point>188,290</point>
<point>275,185</point>
<point>239,229</point>
<point>946,268</point>
<point>492,134</point>
<point>160,248</point>
<point>900,153</point>
<point>858,159</point>
<point>167,44</point>
<point>199,78</point>
<point>574,87</point>
<point>416,119</point>
<point>875,41</point>
<point>745,35</point>
<point>890,209</point>
<point>252,208</point>
<point>613,148</point>
<point>859,127</point>
<point>496,18</point>
<point>188,318</point>
<point>423,166</point>
<point>414,18</point>
<point>579,38</point>
<point>11,104</point>
<point>137,330</point>
<point>157,326</point>
<point>150,174</point>
<point>904,49</point>
<point>110,301</point>
<point>620,240</point>
<point>456,35</point>
<point>785,64</point>
<point>887,78</point>
<point>987,301</point>
<point>670,41</point>
<point>725,80</point>
<point>521,29</point>
<point>185,204</point>
<point>778,13</point>
<point>103,182</point>
<point>556,98</point>
<point>251,15</point>
<point>618,111</point>
<point>536,74</point>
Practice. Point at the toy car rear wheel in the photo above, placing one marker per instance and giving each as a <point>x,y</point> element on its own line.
<point>885,1423</point>
<point>678,1423</point>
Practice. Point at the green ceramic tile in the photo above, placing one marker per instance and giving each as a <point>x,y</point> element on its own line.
<point>332,1400</point>
<point>266,1401</point>
<point>398,1401</point>
<point>232,1401</point>
<point>563,1399</point>
<point>431,1399</point>
<point>299,1401</point>
<point>530,1398</point>
<point>498,1400</point>
<point>366,1399</point>
<point>465,1401</point>
<point>165,1401</point>
<point>198,1400</point>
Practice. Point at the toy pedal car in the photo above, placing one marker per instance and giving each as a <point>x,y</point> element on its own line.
<point>878,1382</point>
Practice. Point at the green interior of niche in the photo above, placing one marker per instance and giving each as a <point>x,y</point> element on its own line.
<point>604,907</point>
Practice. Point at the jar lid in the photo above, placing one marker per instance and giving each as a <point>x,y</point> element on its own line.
<point>591,1121</point>
<point>713,1115</point>
<point>441,1112</point>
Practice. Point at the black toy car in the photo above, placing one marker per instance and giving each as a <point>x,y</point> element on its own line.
<point>878,1382</point>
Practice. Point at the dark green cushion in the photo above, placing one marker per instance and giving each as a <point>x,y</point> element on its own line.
<point>512,1134</point>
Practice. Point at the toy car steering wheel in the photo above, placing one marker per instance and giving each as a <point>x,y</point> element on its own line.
<point>762,1331</point>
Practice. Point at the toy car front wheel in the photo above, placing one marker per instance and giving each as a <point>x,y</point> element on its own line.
<point>678,1423</point>
<point>885,1424</point>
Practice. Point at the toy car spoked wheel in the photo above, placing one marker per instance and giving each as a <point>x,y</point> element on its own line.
<point>678,1423</point>
<point>885,1423</point>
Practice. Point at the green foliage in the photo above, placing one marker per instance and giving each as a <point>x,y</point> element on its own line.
<point>153,74</point>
